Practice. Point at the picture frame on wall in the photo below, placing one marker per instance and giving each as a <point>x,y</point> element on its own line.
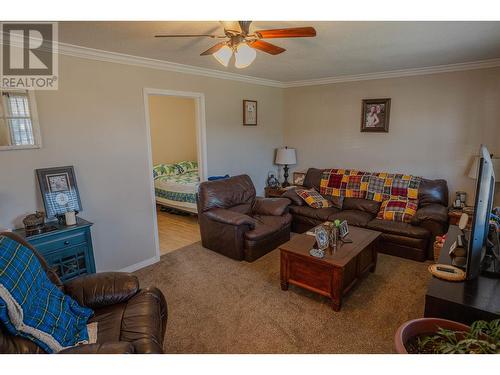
<point>375,115</point>
<point>59,190</point>
<point>249,112</point>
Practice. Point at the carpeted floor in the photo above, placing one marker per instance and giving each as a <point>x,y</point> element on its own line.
<point>218,305</point>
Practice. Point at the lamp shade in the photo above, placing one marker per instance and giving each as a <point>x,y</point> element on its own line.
<point>244,56</point>
<point>496,168</point>
<point>223,55</point>
<point>474,168</point>
<point>286,156</point>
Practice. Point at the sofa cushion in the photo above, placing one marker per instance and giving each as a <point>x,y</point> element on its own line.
<point>353,217</point>
<point>266,225</point>
<point>398,209</point>
<point>361,204</point>
<point>314,213</point>
<point>225,193</point>
<point>293,196</point>
<point>313,198</point>
<point>432,191</point>
<point>313,178</point>
<point>398,228</point>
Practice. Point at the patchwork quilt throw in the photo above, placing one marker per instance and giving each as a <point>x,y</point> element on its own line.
<point>374,186</point>
<point>31,306</point>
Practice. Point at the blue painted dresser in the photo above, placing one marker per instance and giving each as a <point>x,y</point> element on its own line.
<point>67,250</point>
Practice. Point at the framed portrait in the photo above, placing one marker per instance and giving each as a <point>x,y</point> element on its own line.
<point>375,115</point>
<point>249,112</point>
<point>321,236</point>
<point>59,190</point>
<point>298,178</point>
<point>343,229</point>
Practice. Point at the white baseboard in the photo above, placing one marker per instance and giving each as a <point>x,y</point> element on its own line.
<point>138,266</point>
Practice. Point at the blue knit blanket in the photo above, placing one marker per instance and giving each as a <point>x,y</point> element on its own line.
<point>31,306</point>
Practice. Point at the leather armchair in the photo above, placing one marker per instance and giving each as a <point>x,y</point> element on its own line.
<point>129,319</point>
<point>237,224</point>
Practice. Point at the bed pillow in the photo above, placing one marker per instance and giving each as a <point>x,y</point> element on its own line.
<point>313,198</point>
<point>398,209</point>
<point>187,166</point>
<point>165,170</point>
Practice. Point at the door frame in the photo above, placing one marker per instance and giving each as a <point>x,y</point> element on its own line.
<point>201,143</point>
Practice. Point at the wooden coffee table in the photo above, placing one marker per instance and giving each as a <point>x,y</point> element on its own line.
<point>335,274</point>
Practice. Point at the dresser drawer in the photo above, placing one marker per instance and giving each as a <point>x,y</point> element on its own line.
<point>60,242</point>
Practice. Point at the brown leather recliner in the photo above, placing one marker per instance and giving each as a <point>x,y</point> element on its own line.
<point>235,223</point>
<point>129,319</point>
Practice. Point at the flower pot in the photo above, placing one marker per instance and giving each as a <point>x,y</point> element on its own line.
<point>422,326</point>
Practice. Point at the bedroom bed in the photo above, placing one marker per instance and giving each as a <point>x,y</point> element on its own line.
<point>176,185</point>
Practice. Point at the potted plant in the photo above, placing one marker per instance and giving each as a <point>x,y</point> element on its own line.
<point>441,336</point>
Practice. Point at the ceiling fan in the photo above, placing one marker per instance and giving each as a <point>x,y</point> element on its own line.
<point>244,44</point>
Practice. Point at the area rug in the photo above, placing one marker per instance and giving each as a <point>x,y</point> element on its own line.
<point>218,305</point>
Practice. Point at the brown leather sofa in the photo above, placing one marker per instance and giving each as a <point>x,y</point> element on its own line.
<point>408,240</point>
<point>129,319</point>
<point>237,224</point>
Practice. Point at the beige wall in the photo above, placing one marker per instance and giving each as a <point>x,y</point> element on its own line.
<point>96,122</point>
<point>437,123</point>
<point>173,129</point>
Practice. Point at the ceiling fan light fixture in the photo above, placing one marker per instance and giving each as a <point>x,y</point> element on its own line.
<point>245,55</point>
<point>223,55</point>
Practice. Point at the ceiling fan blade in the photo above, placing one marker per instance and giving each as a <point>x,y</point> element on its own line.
<point>213,49</point>
<point>188,35</point>
<point>295,32</point>
<point>267,47</point>
<point>245,26</point>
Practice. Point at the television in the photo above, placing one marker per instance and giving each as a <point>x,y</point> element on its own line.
<point>478,239</point>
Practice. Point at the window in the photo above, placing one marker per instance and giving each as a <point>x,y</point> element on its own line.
<point>18,126</point>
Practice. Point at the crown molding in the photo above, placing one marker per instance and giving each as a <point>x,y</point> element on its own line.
<point>121,58</point>
<point>482,64</point>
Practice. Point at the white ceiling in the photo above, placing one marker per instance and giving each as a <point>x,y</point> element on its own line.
<point>340,48</point>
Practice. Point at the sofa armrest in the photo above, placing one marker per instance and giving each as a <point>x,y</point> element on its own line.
<point>102,289</point>
<point>118,347</point>
<point>270,206</point>
<point>224,216</point>
<point>434,212</point>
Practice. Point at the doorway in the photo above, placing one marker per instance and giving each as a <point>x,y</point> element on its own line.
<point>175,123</point>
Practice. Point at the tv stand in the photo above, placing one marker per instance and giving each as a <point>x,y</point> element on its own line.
<point>465,301</point>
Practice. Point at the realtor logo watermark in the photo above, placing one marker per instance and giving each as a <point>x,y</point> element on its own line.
<point>29,56</point>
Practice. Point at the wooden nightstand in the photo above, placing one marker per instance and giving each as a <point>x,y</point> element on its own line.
<point>273,192</point>
<point>454,215</point>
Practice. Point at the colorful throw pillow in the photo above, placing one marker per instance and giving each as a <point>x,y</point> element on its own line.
<point>398,209</point>
<point>33,307</point>
<point>313,198</point>
<point>187,166</point>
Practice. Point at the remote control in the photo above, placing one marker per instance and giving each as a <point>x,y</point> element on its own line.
<point>446,269</point>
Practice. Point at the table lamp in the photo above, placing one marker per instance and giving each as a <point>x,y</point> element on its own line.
<point>475,167</point>
<point>285,156</point>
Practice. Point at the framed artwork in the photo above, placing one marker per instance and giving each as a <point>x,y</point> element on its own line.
<point>321,236</point>
<point>59,190</point>
<point>249,112</point>
<point>375,115</point>
<point>298,178</point>
<point>343,229</point>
